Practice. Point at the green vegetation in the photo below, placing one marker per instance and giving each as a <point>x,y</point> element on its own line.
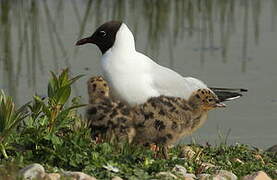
<point>51,132</point>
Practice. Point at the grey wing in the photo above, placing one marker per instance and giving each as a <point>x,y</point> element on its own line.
<point>170,83</point>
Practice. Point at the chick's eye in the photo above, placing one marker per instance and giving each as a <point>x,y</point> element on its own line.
<point>102,33</point>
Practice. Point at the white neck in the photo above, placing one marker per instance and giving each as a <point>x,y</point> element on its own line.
<point>124,40</point>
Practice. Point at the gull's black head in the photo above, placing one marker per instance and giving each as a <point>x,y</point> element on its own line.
<point>103,37</point>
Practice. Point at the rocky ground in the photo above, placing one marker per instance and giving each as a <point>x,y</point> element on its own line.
<point>186,163</point>
<point>37,171</point>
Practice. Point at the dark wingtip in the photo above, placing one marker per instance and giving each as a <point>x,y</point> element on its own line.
<point>229,89</point>
<point>244,90</point>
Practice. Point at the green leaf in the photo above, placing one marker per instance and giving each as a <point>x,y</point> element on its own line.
<point>63,94</point>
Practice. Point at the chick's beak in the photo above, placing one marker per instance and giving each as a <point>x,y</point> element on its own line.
<point>220,105</point>
<point>84,41</point>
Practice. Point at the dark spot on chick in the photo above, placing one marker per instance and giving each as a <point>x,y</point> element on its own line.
<point>148,115</point>
<point>161,140</point>
<point>140,125</point>
<point>197,96</point>
<point>98,129</point>
<point>93,87</point>
<point>161,112</point>
<point>121,120</point>
<point>159,125</point>
<point>153,104</point>
<point>174,125</point>
<point>172,109</point>
<point>125,111</point>
<point>185,107</point>
<point>169,136</point>
<point>169,104</point>
<point>92,111</point>
<point>105,109</point>
<point>113,114</point>
<point>112,125</point>
<point>196,121</point>
<point>106,102</point>
<point>101,118</point>
<point>120,105</point>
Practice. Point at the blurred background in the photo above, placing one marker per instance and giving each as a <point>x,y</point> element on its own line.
<point>225,43</point>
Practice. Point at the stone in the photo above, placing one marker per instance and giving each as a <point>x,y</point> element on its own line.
<point>166,175</point>
<point>117,178</point>
<point>260,175</point>
<point>78,175</point>
<point>111,168</point>
<point>189,176</point>
<point>217,177</point>
<point>180,170</point>
<point>203,176</point>
<point>32,171</point>
<point>238,160</point>
<point>227,174</point>
<point>52,176</point>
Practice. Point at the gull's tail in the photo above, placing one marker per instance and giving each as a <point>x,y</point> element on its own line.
<point>227,94</point>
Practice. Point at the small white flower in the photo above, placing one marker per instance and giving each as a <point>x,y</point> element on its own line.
<point>111,168</point>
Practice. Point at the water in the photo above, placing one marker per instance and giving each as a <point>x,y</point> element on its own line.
<point>228,43</point>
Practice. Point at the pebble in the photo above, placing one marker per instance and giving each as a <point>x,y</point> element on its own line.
<point>52,176</point>
<point>227,174</point>
<point>32,171</point>
<point>166,175</point>
<point>189,176</point>
<point>260,175</point>
<point>238,160</point>
<point>78,175</point>
<point>203,176</point>
<point>117,178</point>
<point>217,177</point>
<point>180,170</point>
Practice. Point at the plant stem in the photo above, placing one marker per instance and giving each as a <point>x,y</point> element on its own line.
<point>4,151</point>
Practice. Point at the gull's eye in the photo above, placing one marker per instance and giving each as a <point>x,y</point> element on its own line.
<point>102,33</point>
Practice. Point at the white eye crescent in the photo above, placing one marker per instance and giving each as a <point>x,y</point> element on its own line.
<point>102,33</point>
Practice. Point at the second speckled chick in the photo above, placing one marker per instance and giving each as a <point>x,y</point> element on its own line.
<point>108,119</point>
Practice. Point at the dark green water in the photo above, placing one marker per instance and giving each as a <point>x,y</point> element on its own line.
<point>230,43</point>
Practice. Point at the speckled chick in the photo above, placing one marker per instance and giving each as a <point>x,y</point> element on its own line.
<point>168,119</point>
<point>108,119</point>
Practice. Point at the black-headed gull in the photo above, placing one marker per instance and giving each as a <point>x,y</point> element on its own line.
<point>134,77</point>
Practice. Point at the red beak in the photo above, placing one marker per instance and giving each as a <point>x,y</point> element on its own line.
<point>84,41</point>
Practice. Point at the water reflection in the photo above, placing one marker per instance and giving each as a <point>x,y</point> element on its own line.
<point>25,23</point>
